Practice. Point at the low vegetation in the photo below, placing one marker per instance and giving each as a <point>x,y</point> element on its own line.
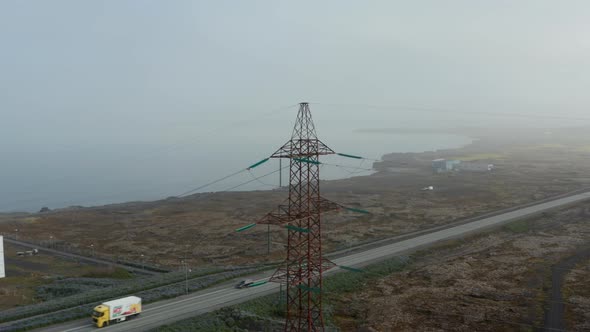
<point>30,278</point>
<point>520,226</point>
<point>476,258</point>
<point>267,313</point>
<point>114,273</point>
<point>149,289</point>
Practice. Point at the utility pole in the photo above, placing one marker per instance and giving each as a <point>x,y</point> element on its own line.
<point>268,240</point>
<point>280,173</point>
<point>300,214</point>
<point>185,265</point>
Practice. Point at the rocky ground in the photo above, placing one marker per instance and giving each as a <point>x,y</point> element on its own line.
<point>500,280</point>
<point>497,281</point>
<point>576,291</point>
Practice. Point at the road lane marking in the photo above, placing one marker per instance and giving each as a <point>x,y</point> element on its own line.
<point>197,296</point>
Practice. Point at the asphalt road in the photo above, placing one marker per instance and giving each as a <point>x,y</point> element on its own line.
<point>92,260</point>
<point>165,312</point>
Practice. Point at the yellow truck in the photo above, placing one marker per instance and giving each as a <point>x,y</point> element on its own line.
<point>116,311</point>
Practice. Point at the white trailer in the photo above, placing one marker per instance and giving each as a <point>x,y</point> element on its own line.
<point>116,311</point>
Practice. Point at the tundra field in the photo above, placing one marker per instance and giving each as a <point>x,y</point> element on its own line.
<point>200,230</point>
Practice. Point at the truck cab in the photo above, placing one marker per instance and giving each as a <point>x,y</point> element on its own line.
<point>100,315</point>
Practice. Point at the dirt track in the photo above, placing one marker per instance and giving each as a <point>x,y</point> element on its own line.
<point>554,315</point>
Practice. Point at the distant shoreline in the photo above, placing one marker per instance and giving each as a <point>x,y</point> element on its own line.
<point>381,156</point>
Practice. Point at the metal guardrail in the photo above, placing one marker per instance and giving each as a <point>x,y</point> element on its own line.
<point>85,255</point>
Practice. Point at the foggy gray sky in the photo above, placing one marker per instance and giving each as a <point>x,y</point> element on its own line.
<point>95,75</point>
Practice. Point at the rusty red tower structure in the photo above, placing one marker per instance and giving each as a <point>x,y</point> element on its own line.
<point>300,214</point>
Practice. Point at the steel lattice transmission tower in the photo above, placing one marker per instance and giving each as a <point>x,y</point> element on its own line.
<point>303,268</point>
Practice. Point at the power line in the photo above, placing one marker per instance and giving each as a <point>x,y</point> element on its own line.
<point>234,174</point>
<point>201,187</point>
<point>217,130</point>
<point>211,183</point>
<point>346,166</point>
<point>455,111</point>
<point>257,178</point>
<point>157,152</point>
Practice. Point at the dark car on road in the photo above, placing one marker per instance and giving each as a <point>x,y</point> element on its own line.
<point>244,283</point>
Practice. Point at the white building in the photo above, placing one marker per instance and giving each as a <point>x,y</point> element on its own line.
<point>2,273</point>
<point>443,165</point>
<point>476,166</point>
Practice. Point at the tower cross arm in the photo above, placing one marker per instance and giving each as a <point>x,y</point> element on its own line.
<point>282,215</point>
<point>294,149</point>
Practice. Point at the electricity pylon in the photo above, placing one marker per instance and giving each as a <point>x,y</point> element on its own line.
<point>303,268</point>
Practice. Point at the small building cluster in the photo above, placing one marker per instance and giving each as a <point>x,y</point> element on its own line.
<point>476,167</point>
<point>444,166</point>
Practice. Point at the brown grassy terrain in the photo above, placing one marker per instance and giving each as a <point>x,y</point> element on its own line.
<point>200,228</point>
<point>490,282</point>
<point>25,273</point>
<point>577,292</point>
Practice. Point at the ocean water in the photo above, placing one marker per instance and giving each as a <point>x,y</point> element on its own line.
<point>97,158</point>
<point>98,174</point>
